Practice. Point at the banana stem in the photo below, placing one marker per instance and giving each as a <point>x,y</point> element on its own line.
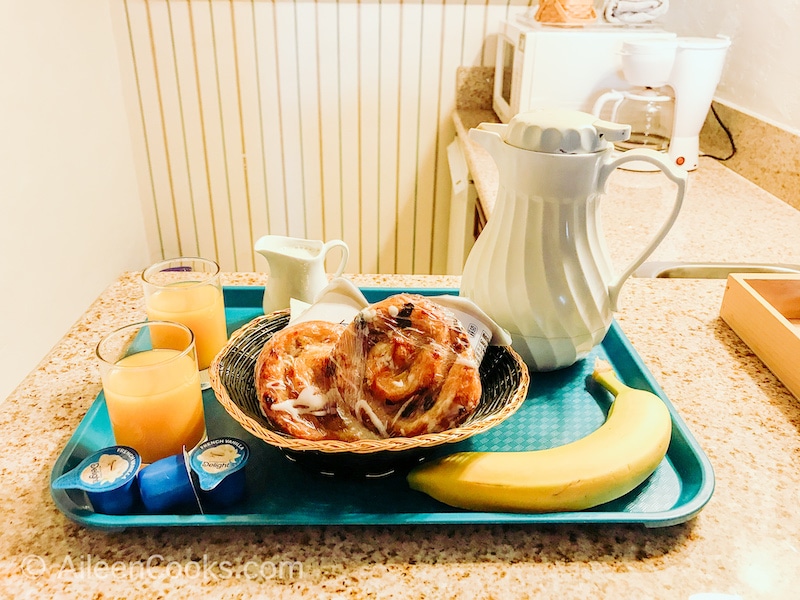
<point>604,375</point>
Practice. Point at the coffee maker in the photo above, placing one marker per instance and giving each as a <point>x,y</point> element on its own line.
<point>671,80</point>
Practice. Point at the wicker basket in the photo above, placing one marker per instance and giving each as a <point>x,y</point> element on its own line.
<point>566,11</point>
<point>504,378</point>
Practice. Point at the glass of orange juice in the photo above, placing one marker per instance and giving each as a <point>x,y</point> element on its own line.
<point>188,291</point>
<point>152,388</point>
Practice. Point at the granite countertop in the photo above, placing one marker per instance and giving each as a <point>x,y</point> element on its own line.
<point>743,542</point>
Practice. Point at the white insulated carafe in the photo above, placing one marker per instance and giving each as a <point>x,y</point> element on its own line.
<point>540,267</point>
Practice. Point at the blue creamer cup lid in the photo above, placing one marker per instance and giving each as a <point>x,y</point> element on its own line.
<point>104,471</point>
<point>108,477</point>
<point>216,459</point>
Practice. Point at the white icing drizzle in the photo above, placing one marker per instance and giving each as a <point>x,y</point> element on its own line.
<point>309,401</point>
<point>355,426</point>
<point>312,400</point>
<point>466,361</point>
<point>402,410</point>
<point>275,384</point>
<point>363,407</point>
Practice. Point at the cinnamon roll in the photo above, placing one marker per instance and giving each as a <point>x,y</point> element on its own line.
<point>404,367</point>
<point>293,378</point>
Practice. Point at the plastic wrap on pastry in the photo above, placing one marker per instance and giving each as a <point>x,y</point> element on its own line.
<point>293,379</point>
<point>404,367</point>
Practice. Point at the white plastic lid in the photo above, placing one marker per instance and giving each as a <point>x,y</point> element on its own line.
<point>558,131</point>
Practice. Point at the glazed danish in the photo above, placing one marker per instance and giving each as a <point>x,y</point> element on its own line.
<point>292,379</point>
<point>404,367</point>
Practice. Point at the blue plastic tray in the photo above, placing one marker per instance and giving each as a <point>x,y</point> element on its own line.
<point>562,406</point>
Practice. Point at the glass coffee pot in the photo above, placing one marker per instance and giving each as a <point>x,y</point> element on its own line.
<point>649,112</point>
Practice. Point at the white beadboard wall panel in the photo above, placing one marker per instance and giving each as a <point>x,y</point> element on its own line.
<point>232,131</point>
<point>132,94</point>
<point>308,77</point>
<point>452,27</point>
<point>251,122</point>
<point>349,82</point>
<point>473,32</point>
<point>331,161</point>
<point>286,36</point>
<point>173,129</point>
<point>210,126</point>
<point>270,123</point>
<point>408,135</point>
<point>389,87</point>
<point>430,77</point>
<point>157,158</point>
<point>310,118</point>
<point>369,131</point>
<point>195,155</point>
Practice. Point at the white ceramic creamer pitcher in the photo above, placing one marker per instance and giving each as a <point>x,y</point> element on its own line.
<point>296,268</point>
<point>540,267</point>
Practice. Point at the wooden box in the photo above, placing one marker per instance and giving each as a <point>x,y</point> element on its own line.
<point>764,310</point>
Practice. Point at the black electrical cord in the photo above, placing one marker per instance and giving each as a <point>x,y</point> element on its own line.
<point>727,133</point>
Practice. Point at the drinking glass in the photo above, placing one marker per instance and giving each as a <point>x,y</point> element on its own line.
<point>152,388</point>
<point>188,291</point>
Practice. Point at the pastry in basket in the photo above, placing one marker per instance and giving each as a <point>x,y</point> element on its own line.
<point>292,379</point>
<point>405,367</point>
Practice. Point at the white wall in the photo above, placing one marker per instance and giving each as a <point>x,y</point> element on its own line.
<point>761,75</point>
<point>70,215</point>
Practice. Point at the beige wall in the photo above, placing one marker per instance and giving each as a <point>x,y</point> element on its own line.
<point>761,76</point>
<point>758,98</point>
<point>70,214</point>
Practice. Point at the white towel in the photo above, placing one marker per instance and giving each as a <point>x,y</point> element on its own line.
<point>634,11</point>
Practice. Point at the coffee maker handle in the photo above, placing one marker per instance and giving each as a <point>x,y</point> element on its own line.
<point>677,175</point>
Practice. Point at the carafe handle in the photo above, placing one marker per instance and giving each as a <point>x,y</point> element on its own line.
<point>613,95</point>
<point>677,175</point>
<point>345,254</point>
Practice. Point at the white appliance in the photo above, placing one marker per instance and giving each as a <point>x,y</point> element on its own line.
<point>546,66</point>
<point>692,68</point>
<point>462,210</point>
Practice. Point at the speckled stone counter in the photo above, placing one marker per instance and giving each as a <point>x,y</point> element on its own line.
<point>744,542</point>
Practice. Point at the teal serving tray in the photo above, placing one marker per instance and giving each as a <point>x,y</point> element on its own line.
<point>561,406</point>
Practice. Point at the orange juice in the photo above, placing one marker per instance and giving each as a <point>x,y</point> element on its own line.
<point>200,308</point>
<point>155,403</point>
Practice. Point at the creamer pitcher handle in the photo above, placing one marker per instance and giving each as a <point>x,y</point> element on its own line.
<point>345,254</point>
<point>677,175</point>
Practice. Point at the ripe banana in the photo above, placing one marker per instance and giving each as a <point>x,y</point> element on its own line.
<point>604,465</point>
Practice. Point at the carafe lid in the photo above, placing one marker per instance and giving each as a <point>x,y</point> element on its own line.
<point>647,94</point>
<point>559,131</point>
